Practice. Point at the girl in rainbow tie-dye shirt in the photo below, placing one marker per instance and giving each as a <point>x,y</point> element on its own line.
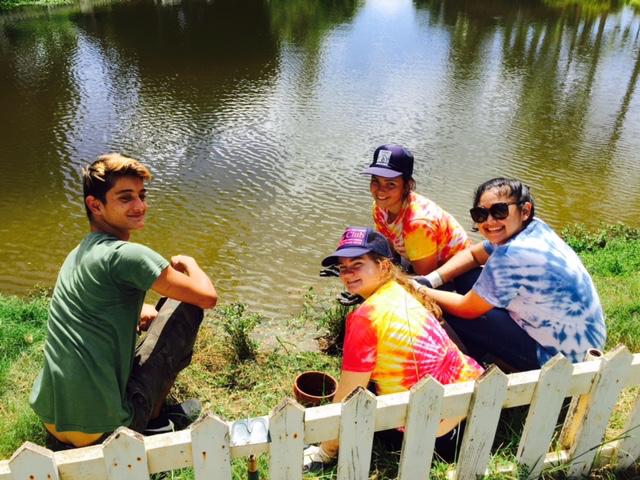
<point>394,338</point>
<point>421,232</point>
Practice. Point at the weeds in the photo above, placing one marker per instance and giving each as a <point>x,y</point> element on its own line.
<point>581,239</point>
<point>238,325</point>
<point>330,316</point>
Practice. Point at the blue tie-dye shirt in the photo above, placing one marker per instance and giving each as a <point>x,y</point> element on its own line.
<point>545,288</point>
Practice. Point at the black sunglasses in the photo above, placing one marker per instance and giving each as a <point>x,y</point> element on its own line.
<point>499,211</point>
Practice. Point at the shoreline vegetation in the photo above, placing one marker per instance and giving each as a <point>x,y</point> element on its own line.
<point>235,378</point>
<point>591,7</point>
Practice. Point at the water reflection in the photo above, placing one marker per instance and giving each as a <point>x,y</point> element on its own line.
<point>256,117</point>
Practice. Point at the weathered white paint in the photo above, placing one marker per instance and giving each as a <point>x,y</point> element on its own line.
<point>125,455</point>
<point>33,462</point>
<point>286,429</point>
<point>482,422</point>
<point>356,435</point>
<point>423,418</point>
<point>210,452</point>
<point>545,406</point>
<point>602,399</point>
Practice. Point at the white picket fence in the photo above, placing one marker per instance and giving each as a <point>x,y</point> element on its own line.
<point>210,444</point>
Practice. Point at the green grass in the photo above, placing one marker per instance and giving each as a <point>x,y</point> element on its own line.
<point>611,254</point>
<point>235,381</point>
<point>13,4</point>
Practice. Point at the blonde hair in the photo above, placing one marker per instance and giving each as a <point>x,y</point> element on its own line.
<point>392,272</point>
<point>99,177</point>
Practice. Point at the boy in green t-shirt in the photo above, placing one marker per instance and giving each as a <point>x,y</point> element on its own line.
<point>94,379</point>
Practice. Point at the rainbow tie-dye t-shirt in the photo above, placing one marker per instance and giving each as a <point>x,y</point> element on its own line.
<point>393,336</point>
<point>421,230</point>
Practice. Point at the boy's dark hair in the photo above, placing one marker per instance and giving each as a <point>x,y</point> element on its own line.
<point>99,177</point>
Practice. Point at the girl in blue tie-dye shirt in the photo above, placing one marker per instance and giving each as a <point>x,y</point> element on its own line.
<point>533,299</point>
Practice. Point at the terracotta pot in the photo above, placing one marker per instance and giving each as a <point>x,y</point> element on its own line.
<point>313,388</point>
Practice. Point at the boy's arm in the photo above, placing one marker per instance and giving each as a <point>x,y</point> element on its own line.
<point>185,281</point>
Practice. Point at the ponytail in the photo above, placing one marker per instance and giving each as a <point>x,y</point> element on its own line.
<point>392,272</point>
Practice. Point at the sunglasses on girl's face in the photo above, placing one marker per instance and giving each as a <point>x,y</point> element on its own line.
<point>498,211</point>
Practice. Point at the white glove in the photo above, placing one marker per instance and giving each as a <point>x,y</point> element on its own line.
<point>315,459</point>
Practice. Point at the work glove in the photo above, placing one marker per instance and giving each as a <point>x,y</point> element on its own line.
<point>349,299</point>
<point>331,271</point>
<point>422,281</point>
<point>315,459</point>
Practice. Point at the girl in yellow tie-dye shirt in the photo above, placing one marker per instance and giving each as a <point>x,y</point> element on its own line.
<point>419,230</point>
<point>394,338</point>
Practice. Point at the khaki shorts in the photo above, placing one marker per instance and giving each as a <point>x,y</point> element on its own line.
<point>164,352</point>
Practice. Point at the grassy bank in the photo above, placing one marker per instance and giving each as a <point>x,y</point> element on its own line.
<point>235,378</point>
<point>6,5</point>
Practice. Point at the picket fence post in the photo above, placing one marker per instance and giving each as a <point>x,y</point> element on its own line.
<point>125,455</point>
<point>482,423</point>
<point>33,462</point>
<point>423,419</point>
<point>543,412</point>
<point>357,423</point>
<point>614,369</point>
<point>210,450</point>
<point>286,429</point>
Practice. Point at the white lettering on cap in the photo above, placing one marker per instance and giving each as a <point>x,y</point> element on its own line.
<point>383,157</point>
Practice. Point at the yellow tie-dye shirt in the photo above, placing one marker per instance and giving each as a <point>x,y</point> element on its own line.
<point>393,336</point>
<point>422,229</point>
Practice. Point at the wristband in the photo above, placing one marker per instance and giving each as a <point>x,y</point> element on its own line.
<point>435,279</point>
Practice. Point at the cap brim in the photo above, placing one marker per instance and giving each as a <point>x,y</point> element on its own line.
<point>381,172</point>
<point>344,252</point>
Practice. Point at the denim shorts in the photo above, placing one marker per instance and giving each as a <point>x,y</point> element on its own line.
<point>164,352</point>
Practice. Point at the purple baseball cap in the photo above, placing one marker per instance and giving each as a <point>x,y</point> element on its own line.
<point>357,241</point>
<point>390,161</point>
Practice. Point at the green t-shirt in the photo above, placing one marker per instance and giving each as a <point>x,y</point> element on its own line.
<point>91,334</point>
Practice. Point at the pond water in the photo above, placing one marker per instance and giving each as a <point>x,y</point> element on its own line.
<point>256,117</point>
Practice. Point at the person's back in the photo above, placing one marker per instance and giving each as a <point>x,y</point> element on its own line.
<point>91,383</point>
<point>92,332</point>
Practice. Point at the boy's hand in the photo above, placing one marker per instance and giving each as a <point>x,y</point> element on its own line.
<point>183,263</point>
<point>147,315</point>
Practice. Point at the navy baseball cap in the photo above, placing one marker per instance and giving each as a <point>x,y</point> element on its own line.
<point>357,241</point>
<point>390,161</point>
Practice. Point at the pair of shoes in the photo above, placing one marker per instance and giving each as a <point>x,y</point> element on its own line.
<point>182,414</point>
<point>160,424</point>
<point>315,460</point>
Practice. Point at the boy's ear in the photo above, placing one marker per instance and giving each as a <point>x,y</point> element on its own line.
<point>93,204</point>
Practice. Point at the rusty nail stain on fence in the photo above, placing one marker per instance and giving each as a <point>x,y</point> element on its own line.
<point>295,435</point>
<point>32,477</point>
<point>139,459</point>
<point>204,455</point>
<point>129,466</point>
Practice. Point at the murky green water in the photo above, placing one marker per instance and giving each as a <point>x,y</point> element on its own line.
<point>256,117</point>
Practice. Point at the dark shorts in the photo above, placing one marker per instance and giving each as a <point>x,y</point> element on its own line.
<point>164,352</point>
